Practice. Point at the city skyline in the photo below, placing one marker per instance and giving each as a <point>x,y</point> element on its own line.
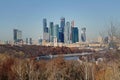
<point>27,15</point>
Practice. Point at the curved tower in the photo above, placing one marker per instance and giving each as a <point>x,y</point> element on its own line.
<point>83,34</point>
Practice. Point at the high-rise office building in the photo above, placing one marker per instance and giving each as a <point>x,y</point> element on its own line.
<point>51,31</point>
<point>61,29</point>
<point>55,41</point>
<point>56,32</point>
<point>72,24</point>
<point>30,41</point>
<point>60,35</point>
<point>83,34</point>
<point>27,41</point>
<point>67,33</point>
<point>17,35</point>
<point>46,36</point>
<point>45,30</point>
<point>75,34</point>
<point>62,22</point>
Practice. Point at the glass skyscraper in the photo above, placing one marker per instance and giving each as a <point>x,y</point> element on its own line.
<point>56,32</point>
<point>61,37</point>
<point>75,34</point>
<point>62,23</point>
<point>45,28</point>
<point>30,41</point>
<point>17,35</point>
<point>83,34</point>
<point>67,32</point>
<point>72,23</point>
<point>51,31</point>
<point>61,29</point>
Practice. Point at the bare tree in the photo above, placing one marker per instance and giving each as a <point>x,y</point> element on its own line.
<point>19,69</point>
<point>114,35</point>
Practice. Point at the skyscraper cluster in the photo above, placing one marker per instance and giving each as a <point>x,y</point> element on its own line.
<point>65,33</point>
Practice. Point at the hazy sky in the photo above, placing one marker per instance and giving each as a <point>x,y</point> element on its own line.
<point>27,15</point>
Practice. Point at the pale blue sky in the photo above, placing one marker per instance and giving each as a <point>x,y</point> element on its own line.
<point>27,15</point>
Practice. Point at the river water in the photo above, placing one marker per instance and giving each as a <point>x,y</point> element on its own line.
<point>71,58</point>
<point>65,58</point>
<point>74,56</point>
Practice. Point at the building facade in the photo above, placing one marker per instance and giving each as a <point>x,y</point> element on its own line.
<point>17,35</point>
<point>51,31</point>
<point>30,41</point>
<point>67,33</point>
<point>83,34</point>
<point>56,32</point>
<point>61,30</point>
<point>75,34</point>
<point>45,28</point>
<point>72,23</point>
